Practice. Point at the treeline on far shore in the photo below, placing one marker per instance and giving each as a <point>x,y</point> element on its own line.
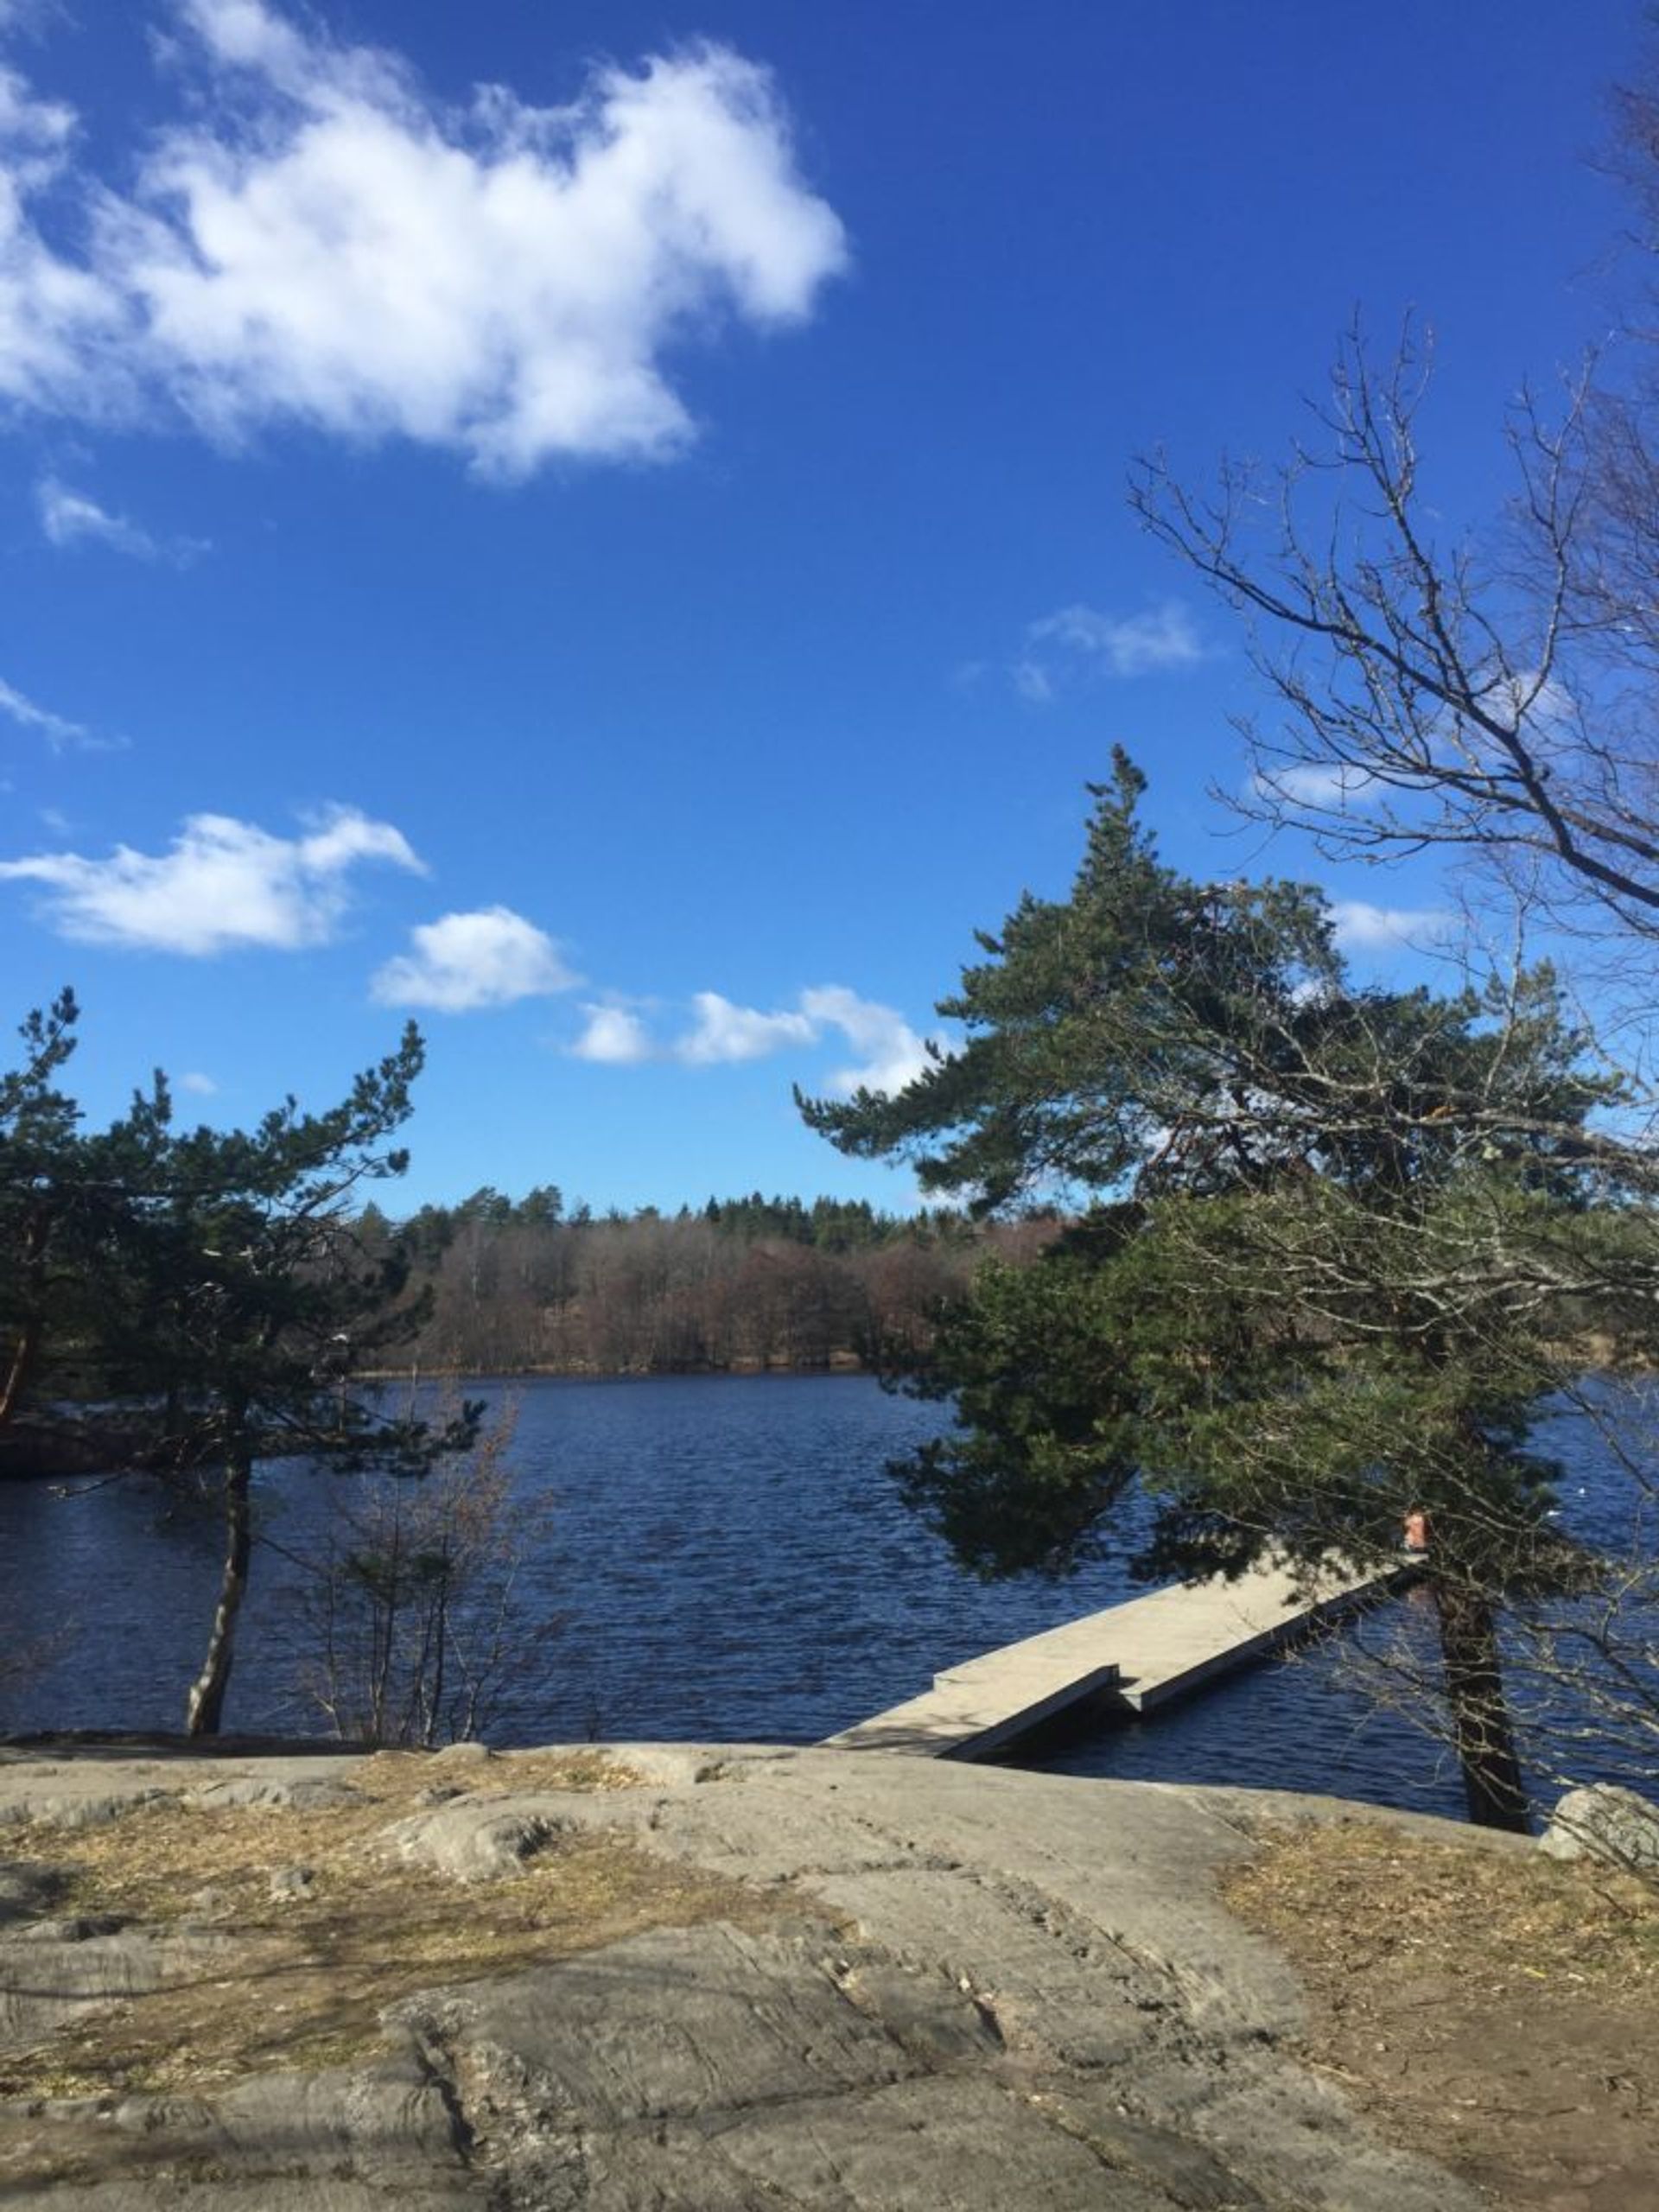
<point>741,1284</point>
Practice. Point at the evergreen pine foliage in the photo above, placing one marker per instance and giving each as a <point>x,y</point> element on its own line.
<point>1324,1244</point>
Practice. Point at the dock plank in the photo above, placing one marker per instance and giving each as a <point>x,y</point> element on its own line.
<point>1137,1656</point>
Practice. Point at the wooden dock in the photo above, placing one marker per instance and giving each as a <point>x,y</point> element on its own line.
<point>1132,1657</point>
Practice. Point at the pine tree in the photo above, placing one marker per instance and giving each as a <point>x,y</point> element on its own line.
<point>1320,1242</point>
<point>238,1303</point>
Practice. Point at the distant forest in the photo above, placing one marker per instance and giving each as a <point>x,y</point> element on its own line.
<point>525,1286</point>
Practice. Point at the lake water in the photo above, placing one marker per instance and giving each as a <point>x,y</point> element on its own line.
<point>726,1561</point>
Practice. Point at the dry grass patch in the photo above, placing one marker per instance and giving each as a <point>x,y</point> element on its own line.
<point>1496,2010</point>
<point>311,1971</point>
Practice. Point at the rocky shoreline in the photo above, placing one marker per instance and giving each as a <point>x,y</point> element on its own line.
<point>871,1982</point>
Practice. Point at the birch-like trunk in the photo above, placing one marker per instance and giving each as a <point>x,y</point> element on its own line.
<point>203,1708</point>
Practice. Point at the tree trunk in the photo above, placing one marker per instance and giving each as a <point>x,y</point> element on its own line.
<point>22,1361</point>
<point>205,1704</point>
<point>26,1351</point>
<point>1474,1688</point>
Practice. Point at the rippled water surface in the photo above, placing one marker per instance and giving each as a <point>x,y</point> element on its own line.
<point>728,1561</point>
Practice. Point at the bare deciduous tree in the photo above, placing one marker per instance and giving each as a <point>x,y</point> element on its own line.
<point>1495,696</point>
<point>1490,695</point>
<point>412,1625</point>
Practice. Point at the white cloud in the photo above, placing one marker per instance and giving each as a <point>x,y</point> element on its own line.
<point>323,243</point>
<point>53,313</point>
<point>199,1085</point>
<point>73,519</point>
<point>490,957</point>
<point>223,883</point>
<point>57,729</point>
<point>1315,784</point>
<point>892,1054</point>
<point>613,1037</point>
<point>1122,644</point>
<point>68,518</point>
<point>247,35</point>
<point>1361,927</point>
<point>1530,700</point>
<point>724,1032</point>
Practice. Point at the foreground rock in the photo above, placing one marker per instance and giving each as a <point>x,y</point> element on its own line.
<point>978,1989</point>
<point>1604,1822</point>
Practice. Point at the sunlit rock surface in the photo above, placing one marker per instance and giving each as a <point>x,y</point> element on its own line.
<point>971,1988</point>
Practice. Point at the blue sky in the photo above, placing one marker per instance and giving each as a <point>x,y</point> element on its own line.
<point>602,527</point>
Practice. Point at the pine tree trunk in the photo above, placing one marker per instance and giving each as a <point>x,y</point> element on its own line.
<point>1492,1786</point>
<point>205,1706</point>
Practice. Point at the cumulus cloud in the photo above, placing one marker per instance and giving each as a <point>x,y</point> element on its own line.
<point>199,1085</point>
<point>889,1052</point>
<point>58,730</point>
<point>725,1031</point>
<point>322,243</point>
<point>1316,784</point>
<point>615,1038</point>
<point>460,961</point>
<point>75,518</point>
<point>1361,927</point>
<point>222,884</point>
